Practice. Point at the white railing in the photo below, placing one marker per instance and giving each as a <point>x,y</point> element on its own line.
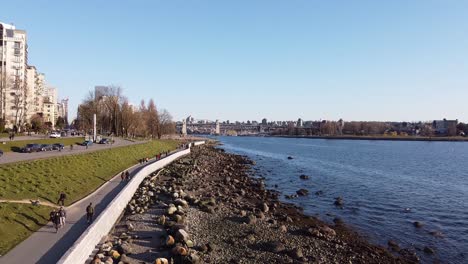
<point>86,243</point>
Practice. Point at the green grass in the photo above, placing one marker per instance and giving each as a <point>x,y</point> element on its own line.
<point>19,221</point>
<point>17,144</point>
<point>76,175</point>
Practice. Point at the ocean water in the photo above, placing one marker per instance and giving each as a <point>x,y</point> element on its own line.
<point>386,186</point>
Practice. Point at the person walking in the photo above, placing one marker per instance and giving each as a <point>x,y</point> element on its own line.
<point>63,216</point>
<point>61,200</point>
<point>127,176</point>
<point>122,176</point>
<point>71,147</point>
<point>89,213</point>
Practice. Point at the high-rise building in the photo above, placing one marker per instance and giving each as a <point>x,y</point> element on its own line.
<point>13,77</point>
<point>49,105</point>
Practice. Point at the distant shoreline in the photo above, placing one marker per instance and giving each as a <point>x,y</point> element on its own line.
<point>389,138</point>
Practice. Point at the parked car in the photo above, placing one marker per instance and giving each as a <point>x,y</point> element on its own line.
<point>31,148</point>
<point>46,147</point>
<point>105,141</point>
<point>87,143</point>
<point>55,134</point>
<point>58,146</point>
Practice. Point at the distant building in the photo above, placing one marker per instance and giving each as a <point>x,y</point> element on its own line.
<point>445,127</point>
<point>13,77</point>
<point>100,91</point>
<point>264,121</point>
<point>300,123</point>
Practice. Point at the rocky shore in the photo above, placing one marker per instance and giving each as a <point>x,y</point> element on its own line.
<point>206,208</point>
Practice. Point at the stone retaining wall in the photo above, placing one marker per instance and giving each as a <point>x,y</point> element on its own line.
<point>102,225</point>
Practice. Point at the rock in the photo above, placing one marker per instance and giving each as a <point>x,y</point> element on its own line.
<point>275,247</point>
<point>304,177</point>
<point>171,210</point>
<point>170,241</point>
<point>130,227</point>
<point>265,208</point>
<point>428,250</point>
<point>193,258</point>
<point>418,224</point>
<point>124,259</point>
<point>114,254</point>
<point>339,201</point>
<point>106,247</point>
<point>296,253</point>
<point>181,202</point>
<point>101,256</point>
<point>393,245</point>
<point>125,248</point>
<point>283,229</point>
<point>161,261</point>
<point>290,158</point>
<point>182,235</point>
<point>180,251</point>
<point>302,192</point>
<point>211,247</point>
<point>109,260</point>
<point>437,234</point>
<point>162,220</point>
<point>251,219</point>
<point>242,213</point>
<point>327,231</point>
<point>320,192</point>
<point>189,243</point>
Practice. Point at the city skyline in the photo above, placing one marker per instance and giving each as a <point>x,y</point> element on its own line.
<point>245,61</point>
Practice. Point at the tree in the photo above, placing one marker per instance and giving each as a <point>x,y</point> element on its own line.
<point>37,123</point>
<point>167,125</point>
<point>60,123</point>
<point>152,120</point>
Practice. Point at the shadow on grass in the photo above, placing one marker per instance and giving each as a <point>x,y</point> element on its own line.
<point>24,225</point>
<point>32,219</point>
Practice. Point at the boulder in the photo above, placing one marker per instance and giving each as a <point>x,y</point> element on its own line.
<point>180,251</point>
<point>302,192</point>
<point>339,201</point>
<point>275,247</point>
<point>428,250</point>
<point>296,253</point>
<point>171,210</point>
<point>265,208</point>
<point>283,229</point>
<point>418,224</point>
<point>170,241</point>
<point>251,219</point>
<point>161,261</point>
<point>304,177</point>
<point>182,235</point>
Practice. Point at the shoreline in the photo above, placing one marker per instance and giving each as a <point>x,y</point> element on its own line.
<point>228,216</point>
<point>382,138</point>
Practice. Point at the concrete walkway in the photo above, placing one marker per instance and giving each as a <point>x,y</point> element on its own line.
<point>46,246</point>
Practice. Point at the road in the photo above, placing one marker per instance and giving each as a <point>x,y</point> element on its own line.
<point>46,246</point>
<point>9,157</point>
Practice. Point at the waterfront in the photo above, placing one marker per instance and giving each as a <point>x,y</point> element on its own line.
<point>386,186</point>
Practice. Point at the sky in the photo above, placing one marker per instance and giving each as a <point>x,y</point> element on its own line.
<point>248,60</point>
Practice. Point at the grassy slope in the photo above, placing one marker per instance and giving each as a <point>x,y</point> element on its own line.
<point>76,175</point>
<point>17,144</point>
<point>19,221</point>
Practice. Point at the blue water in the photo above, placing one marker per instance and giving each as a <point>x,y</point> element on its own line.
<point>378,180</point>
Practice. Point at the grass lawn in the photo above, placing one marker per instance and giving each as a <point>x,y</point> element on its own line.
<point>17,144</point>
<point>76,175</point>
<point>19,221</point>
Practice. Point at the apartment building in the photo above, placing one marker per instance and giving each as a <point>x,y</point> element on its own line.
<point>13,77</point>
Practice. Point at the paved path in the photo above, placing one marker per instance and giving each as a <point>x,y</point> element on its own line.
<point>45,246</point>
<point>9,157</point>
<point>29,202</point>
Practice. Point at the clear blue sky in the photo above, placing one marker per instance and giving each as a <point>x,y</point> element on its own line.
<point>247,59</point>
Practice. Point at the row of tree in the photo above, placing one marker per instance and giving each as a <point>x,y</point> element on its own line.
<point>116,116</point>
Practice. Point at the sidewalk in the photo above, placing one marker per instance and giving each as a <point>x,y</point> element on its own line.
<point>46,246</point>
